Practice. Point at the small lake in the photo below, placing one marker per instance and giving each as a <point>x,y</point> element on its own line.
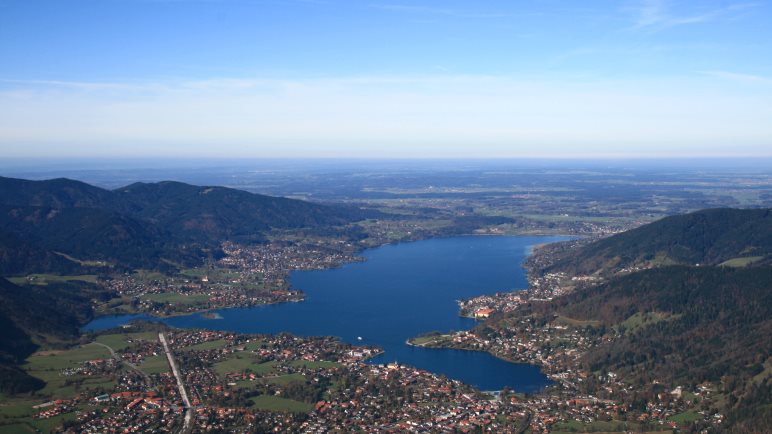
<point>401,291</point>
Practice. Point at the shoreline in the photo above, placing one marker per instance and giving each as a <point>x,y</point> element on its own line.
<point>358,254</point>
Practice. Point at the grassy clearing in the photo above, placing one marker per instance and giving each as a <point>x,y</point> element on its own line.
<point>148,275</point>
<point>209,345</point>
<point>254,345</point>
<point>121,341</point>
<point>155,365</point>
<point>177,298</point>
<point>45,279</point>
<point>614,426</point>
<point>17,408</point>
<point>766,373</point>
<point>275,403</point>
<point>285,379</point>
<point>577,322</point>
<point>220,275</point>
<point>242,362</point>
<point>17,428</point>
<point>685,417</point>
<point>88,263</point>
<point>741,262</point>
<point>66,359</point>
<point>48,425</point>
<point>423,340</point>
<point>316,365</point>
<point>639,320</point>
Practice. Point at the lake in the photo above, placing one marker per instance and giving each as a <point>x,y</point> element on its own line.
<point>401,291</point>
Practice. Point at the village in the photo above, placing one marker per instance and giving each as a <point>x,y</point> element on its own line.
<point>556,345</point>
<point>283,383</point>
<point>249,383</point>
<point>245,276</point>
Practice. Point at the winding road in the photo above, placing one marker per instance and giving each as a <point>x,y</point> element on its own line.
<point>129,364</point>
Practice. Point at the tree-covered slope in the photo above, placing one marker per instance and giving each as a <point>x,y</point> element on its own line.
<point>34,315</point>
<point>684,326</point>
<point>707,237</point>
<point>214,214</point>
<point>54,193</point>
<point>698,323</point>
<point>88,233</point>
<point>141,225</point>
<point>18,256</point>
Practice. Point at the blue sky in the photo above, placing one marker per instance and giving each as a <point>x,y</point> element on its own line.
<point>327,78</point>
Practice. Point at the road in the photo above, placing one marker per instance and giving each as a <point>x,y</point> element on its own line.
<point>129,364</point>
<point>188,408</point>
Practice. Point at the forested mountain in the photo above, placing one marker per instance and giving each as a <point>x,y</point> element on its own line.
<point>214,214</point>
<point>34,315</point>
<point>54,193</point>
<point>679,325</point>
<point>707,237</point>
<point>678,314</point>
<point>18,256</point>
<point>139,225</point>
<point>696,323</point>
<point>88,233</point>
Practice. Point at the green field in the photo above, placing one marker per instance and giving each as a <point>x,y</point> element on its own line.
<point>208,345</point>
<point>48,425</point>
<point>45,279</point>
<point>16,408</point>
<point>254,345</point>
<point>148,275</point>
<point>741,262</point>
<point>599,426</point>
<point>275,403</point>
<point>120,341</point>
<point>242,362</point>
<point>316,365</point>
<point>155,365</point>
<point>48,367</point>
<point>237,363</point>
<point>686,417</point>
<point>177,298</point>
<point>285,379</point>
<point>577,323</point>
<point>87,263</point>
<point>639,320</point>
<point>17,428</point>
<point>423,340</point>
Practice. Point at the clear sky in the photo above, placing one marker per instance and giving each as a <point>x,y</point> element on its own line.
<point>391,78</point>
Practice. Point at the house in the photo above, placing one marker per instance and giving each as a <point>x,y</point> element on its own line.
<point>483,312</point>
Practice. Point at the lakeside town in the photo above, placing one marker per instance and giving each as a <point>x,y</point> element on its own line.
<point>245,276</point>
<point>557,344</point>
<point>263,383</point>
<point>232,382</point>
<point>247,383</point>
<point>283,383</point>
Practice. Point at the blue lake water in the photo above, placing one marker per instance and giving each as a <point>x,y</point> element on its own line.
<point>401,291</point>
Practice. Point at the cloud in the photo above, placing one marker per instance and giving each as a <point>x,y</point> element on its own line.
<point>374,116</point>
<point>660,14</point>
<point>457,13</point>
<point>739,77</point>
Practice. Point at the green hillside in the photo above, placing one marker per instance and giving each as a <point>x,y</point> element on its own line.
<point>31,316</point>
<point>707,237</point>
<point>140,226</point>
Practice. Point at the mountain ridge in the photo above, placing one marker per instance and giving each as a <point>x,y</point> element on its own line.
<point>705,237</point>
<point>138,225</point>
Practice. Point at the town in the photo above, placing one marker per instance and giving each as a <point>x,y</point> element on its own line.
<point>556,345</point>
<point>244,276</point>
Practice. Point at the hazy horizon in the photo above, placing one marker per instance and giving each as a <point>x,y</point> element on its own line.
<point>346,79</point>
